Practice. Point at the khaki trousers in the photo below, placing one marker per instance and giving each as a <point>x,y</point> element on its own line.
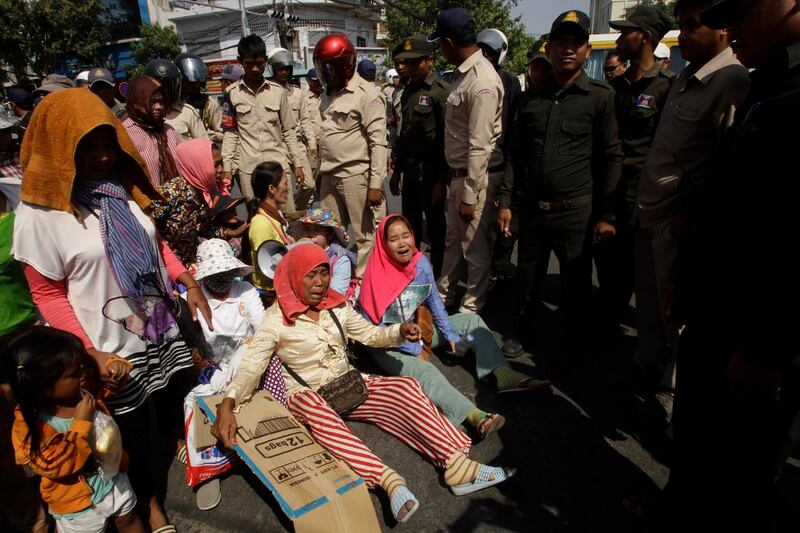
<point>468,245</point>
<point>346,197</point>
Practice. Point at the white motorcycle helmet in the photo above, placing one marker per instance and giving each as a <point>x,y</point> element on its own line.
<point>496,41</point>
<point>391,74</point>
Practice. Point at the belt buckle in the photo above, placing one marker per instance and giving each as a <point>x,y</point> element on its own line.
<point>545,206</point>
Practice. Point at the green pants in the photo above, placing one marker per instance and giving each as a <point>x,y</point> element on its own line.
<point>453,404</point>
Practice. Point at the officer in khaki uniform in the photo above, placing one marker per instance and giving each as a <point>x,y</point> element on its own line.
<point>187,121</point>
<point>282,65</point>
<point>352,147</point>
<point>420,146</point>
<point>472,128</point>
<point>257,120</point>
<point>313,96</point>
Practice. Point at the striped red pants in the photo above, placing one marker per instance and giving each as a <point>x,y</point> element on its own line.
<point>398,406</point>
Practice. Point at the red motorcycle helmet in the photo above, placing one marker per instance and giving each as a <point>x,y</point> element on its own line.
<point>335,60</point>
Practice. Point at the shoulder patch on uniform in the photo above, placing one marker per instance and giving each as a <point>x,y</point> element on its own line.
<point>645,101</point>
<point>424,99</point>
<point>485,92</point>
<point>376,101</point>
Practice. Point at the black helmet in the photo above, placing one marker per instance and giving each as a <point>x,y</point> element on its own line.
<point>192,67</point>
<point>167,73</point>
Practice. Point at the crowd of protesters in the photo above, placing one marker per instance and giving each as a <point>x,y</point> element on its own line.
<point>131,269</point>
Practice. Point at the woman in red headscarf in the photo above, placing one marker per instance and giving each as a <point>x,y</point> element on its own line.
<point>308,330</point>
<point>399,287</point>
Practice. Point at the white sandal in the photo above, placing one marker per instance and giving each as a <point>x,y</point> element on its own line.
<point>399,499</point>
<point>488,476</point>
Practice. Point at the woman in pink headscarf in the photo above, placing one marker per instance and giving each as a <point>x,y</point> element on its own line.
<point>192,200</point>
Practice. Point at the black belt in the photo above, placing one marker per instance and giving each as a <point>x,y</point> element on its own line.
<point>564,205</point>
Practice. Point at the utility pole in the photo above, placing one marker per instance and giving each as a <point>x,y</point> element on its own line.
<point>245,27</point>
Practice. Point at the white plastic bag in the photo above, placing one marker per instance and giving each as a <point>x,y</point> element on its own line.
<point>107,445</point>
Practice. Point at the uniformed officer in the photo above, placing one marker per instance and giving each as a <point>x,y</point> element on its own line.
<point>420,146</point>
<point>352,148</point>
<point>735,372</point>
<point>257,119</point>
<point>472,128</point>
<point>538,63</point>
<point>313,96</point>
<point>494,45</point>
<point>566,156</point>
<point>282,65</point>
<point>640,97</point>
<point>183,116</point>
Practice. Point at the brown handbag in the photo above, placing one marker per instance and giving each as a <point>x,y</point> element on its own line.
<point>347,391</point>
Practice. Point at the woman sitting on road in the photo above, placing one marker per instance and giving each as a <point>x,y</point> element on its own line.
<point>399,288</point>
<point>308,331</point>
<point>321,226</point>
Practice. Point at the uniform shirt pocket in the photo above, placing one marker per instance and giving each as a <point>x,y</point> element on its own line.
<point>244,114</point>
<point>271,112</point>
<point>575,135</point>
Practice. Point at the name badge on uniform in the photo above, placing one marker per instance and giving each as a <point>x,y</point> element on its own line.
<point>646,101</point>
<point>424,99</point>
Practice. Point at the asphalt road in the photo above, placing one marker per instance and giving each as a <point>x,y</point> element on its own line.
<point>579,451</point>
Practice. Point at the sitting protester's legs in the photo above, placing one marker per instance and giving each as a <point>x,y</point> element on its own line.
<point>453,404</point>
<point>398,406</point>
<point>330,430</point>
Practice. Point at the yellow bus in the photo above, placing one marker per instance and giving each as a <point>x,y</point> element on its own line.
<point>603,43</point>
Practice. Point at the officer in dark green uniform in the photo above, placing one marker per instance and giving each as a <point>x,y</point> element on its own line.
<point>420,145</point>
<point>565,155</point>
<point>640,96</point>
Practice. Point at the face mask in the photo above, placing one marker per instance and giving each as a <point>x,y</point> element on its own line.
<point>219,283</point>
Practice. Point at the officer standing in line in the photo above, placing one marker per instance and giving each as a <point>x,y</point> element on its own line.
<point>312,97</point>
<point>565,153</point>
<point>282,65</point>
<point>494,45</point>
<point>472,128</point>
<point>641,94</point>
<point>420,146</point>
<point>257,120</point>
<point>183,116</point>
<point>352,146</point>
<point>539,66</point>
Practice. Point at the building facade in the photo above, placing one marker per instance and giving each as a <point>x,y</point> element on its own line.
<point>602,12</point>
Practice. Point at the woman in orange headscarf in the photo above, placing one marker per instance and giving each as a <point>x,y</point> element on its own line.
<point>97,268</point>
<point>308,330</point>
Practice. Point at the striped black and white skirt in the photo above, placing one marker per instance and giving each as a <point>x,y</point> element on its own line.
<point>152,370</point>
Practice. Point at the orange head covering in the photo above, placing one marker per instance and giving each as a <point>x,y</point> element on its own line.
<point>294,266</point>
<point>47,156</point>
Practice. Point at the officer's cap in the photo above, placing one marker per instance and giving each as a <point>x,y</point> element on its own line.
<point>366,68</point>
<point>415,47</point>
<point>720,14</point>
<point>20,96</point>
<point>645,18</point>
<point>312,74</point>
<point>232,72</point>
<point>454,23</point>
<point>571,19</point>
<point>101,75</point>
<point>539,49</point>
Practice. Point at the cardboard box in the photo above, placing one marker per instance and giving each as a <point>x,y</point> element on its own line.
<point>316,490</point>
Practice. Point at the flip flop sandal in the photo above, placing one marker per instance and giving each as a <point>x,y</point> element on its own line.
<point>489,424</point>
<point>528,385</point>
<point>169,528</point>
<point>488,476</point>
<point>399,499</point>
<point>209,495</point>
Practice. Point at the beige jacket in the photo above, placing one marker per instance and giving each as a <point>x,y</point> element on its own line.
<point>314,350</point>
<point>353,138</point>
<point>473,122</point>
<point>259,126</point>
